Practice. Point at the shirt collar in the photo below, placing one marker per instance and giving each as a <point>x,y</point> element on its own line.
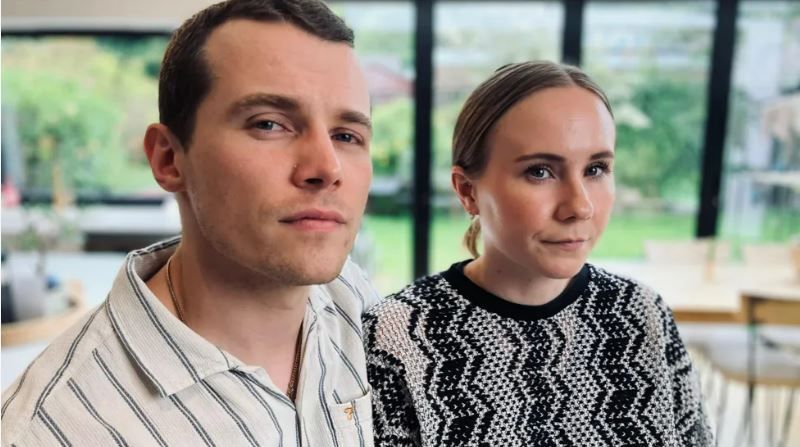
<point>169,353</point>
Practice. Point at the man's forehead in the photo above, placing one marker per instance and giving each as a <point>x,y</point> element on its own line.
<point>252,42</point>
<point>238,31</point>
<point>249,56</point>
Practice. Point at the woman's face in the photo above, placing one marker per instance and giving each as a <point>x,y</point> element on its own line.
<point>547,191</point>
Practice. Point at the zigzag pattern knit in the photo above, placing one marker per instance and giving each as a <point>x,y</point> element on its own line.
<point>600,365</point>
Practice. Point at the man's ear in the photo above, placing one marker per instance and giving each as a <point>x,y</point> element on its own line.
<point>165,154</point>
<point>465,190</point>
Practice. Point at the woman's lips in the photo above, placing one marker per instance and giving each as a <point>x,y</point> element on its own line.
<point>567,244</point>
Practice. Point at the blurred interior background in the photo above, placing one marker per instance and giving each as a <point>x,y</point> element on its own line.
<point>706,95</point>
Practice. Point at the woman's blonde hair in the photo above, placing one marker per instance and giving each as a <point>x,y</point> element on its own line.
<point>507,86</point>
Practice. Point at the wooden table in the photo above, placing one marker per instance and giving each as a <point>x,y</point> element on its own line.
<point>49,326</point>
<point>94,271</point>
<point>103,228</point>
<point>720,294</point>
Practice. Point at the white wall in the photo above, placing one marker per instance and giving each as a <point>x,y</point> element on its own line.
<point>130,13</point>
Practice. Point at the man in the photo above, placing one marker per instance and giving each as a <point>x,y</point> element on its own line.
<point>223,337</point>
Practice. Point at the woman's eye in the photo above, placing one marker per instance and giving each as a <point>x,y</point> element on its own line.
<point>597,170</point>
<point>538,172</point>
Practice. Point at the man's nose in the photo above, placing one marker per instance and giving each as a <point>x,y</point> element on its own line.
<point>317,164</point>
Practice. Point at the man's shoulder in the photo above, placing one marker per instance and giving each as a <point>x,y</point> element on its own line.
<point>47,375</point>
<point>352,291</point>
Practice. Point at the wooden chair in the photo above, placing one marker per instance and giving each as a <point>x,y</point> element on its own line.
<point>760,356</point>
<point>761,255</point>
<point>696,251</point>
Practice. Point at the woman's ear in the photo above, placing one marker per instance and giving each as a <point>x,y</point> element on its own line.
<point>465,190</point>
<point>164,153</point>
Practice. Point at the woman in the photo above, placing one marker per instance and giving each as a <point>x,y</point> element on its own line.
<point>527,344</point>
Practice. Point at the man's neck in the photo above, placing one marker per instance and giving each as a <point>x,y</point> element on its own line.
<point>246,315</point>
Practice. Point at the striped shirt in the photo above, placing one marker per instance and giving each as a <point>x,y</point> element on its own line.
<point>131,374</point>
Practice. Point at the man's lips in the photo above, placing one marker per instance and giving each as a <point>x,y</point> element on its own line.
<point>315,220</point>
<point>315,214</point>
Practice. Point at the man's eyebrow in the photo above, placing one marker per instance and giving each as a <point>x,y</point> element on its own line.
<point>279,102</point>
<point>559,159</point>
<point>352,116</point>
<point>288,104</point>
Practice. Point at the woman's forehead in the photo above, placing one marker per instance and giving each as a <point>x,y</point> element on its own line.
<point>567,121</point>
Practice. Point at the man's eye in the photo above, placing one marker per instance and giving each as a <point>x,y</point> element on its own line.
<point>268,125</point>
<point>345,138</point>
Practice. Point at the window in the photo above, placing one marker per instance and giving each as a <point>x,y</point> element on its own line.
<point>74,111</point>
<point>652,59</point>
<point>384,44</point>
<point>75,106</point>
<point>473,39</point>
<point>760,199</point>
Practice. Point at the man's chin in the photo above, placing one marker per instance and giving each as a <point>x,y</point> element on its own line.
<point>306,264</point>
<point>318,271</point>
<point>316,278</point>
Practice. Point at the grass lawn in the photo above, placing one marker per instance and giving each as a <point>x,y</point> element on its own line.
<point>625,235</point>
<point>392,238</point>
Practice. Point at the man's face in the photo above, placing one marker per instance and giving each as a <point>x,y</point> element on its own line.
<point>278,169</point>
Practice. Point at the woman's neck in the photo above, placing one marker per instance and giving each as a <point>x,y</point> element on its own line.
<point>514,282</point>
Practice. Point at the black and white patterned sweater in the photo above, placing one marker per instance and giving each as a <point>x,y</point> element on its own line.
<point>600,365</point>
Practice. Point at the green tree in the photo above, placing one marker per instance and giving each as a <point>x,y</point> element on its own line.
<point>662,159</point>
<point>444,120</point>
<point>66,125</point>
<point>391,127</point>
<point>81,106</point>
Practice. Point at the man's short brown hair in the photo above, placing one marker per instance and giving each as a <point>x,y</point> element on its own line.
<point>186,77</point>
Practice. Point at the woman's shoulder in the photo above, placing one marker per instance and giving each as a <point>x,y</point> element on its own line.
<point>422,293</point>
<point>626,289</point>
<point>616,298</point>
<point>607,278</point>
<point>395,326</point>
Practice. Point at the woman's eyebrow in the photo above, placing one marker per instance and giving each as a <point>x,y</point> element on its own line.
<point>602,155</point>
<point>541,156</point>
<point>555,158</point>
